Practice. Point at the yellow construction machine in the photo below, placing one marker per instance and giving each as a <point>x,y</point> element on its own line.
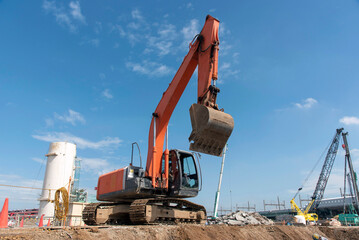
<point>309,217</point>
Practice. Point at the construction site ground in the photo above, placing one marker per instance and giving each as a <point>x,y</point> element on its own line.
<point>185,231</point>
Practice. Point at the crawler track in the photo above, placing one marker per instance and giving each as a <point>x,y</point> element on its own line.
<point>151,211</point>
<point>90,211</point>
<point>140,215</point>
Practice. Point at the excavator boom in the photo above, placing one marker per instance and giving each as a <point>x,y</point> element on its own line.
<point>211,126</point>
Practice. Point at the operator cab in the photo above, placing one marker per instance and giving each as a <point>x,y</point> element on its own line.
<point>183,174</point>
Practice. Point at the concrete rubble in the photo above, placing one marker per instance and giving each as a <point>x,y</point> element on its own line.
<point>242,218</point>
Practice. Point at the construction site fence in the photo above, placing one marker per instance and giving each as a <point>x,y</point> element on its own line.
<point>33,221</point>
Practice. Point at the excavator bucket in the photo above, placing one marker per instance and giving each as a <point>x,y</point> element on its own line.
<point>210,129</point>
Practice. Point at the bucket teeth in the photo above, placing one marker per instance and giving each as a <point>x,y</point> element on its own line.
<point>210,129</point>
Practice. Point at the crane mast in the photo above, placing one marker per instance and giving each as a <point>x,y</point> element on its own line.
<point>352,179</point>
<point>326,169</point>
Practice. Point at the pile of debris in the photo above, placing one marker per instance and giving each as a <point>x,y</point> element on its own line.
<point>242,218</point>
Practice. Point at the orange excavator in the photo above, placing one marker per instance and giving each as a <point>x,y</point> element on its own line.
<point>156,194</point>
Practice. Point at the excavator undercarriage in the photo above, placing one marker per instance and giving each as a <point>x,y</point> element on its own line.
<point>144,211</point>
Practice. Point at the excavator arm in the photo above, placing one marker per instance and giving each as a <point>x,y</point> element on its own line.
<point>211,127</point>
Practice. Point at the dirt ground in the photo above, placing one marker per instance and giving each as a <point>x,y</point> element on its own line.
<point>183,232</point>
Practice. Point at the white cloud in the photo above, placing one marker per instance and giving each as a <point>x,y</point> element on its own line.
<point>150,68</point>
<point>225,66</point>
<point>189,6</point>
<point>335,182</point>
<point>226,70</point>
<point>161,48</point>
<point>76,11</point>
<point>49,122</point>
<point>65,17</point>
<point>80,142</point>
<point>96,165</point>
<point>225,48</point>
<point>162,44</point>
<point>119,29</point>
<point>72,117</point>
<point>38,160</point>
<point>106,93</point>
<point>134,25</point>
<point>129,34</point>
<point>94,42</point>
<point>167,31</point>
<point>307,103</point>
<point>223,31</point>
<point>20,197</point>
<point>102,76</point>
<point>158,38</point>
<point>190,31</point>
<point>136,14</point>
<point>349,120</point>
<point>93,163</point>
<point>354,152</point>
<point>98,27</point>
<point>355,157</point>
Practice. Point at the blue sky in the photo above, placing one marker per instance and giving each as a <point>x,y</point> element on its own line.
<point>92,72</point>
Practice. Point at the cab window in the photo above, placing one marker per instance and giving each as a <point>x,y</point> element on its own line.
<point>189,172</point>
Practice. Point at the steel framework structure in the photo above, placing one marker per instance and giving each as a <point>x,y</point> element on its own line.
<point>326,169</point>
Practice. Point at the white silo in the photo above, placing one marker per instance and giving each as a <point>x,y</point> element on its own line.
<point>59,173</point>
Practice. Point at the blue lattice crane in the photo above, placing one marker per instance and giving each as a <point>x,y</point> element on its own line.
<point>326,169</point>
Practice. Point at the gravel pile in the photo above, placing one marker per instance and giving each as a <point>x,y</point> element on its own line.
<point>242,218</point>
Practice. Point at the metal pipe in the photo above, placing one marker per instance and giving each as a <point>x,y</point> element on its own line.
<point>351,171</point>
<point>167,137</point>
<point>154,152</point>
<point>216,201</point>
<point>154,131</point>
<point>132,154</point>
<point>345,182</point>
<point>166,160</point>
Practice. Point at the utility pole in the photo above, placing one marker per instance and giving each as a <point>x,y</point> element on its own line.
<point>278,203</point>
<point>215,212</point>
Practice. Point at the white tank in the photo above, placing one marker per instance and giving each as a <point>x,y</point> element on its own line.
<point>59,172</point>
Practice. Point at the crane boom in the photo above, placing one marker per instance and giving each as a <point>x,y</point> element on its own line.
<point>295,207</point>
<point>326,169</point>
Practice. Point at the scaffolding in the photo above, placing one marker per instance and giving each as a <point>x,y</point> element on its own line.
<point>77,194</point>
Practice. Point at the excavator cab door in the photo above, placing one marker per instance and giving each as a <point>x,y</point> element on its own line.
<point>183,174</point>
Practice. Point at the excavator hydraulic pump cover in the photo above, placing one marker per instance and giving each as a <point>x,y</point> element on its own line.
<point>210,129</point>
